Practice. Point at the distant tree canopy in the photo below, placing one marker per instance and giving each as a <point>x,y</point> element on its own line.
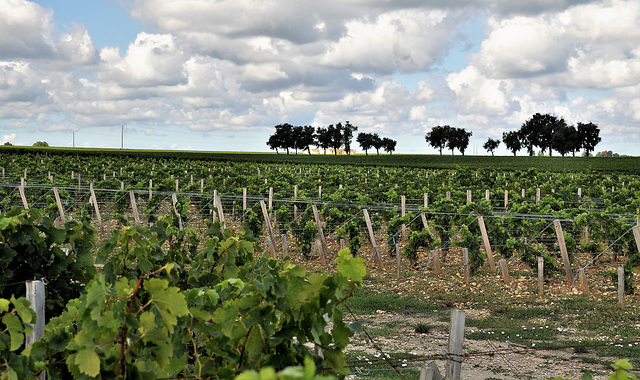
<point>549,132</point>
<point>373,140</point>
<point>450,137</point>
<point>40,143</point>
<point>491,145</point>
<point>287,137</point>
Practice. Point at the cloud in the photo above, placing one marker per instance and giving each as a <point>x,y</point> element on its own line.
<point>10,138</point>
<point>26,30</point>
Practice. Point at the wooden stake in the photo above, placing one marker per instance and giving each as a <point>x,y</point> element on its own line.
<point>621,286</point>
<point>537,195</point>
<point>218,202</point>
<point>505,272</point>
<point>487,195</point>
<point>448,195</point>
<point>324,251</point>
<point>22,196</point>
<point>398,260</point>
<point>134,207</point>
<point>376,251</point>
<point>174,200</point>
<point>270,239</point>
<point>425,201</point>
<point>540,275</point>
<point>506,198</point>
<point>244,198</point>
<point>436,263</point>
<point>583,281</point>
<point>36,295</point>
<point>177,188</point>
<point>94,200</point>
<point>456,337</point>
<point>563,251</point>
<point>150,188</point>
<point>636,235</point>
<point>487,245</point>
<point>60,209</point>
<point>468,196</point>
<point>465,256</point>
<point>270,198</point>
<point>284,245</point>
<point>403,203</point>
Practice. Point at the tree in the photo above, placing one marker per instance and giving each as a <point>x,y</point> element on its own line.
<point>323,138</point>
<point>376,142</point>
<point>336,136</point>
<point>389,145</point>
<point>491,145</point>
<point>308,138</point>
<point>538,131</point>
<point>438,136</point>
<point>589,136</point>
<point>458,138</point>
<point>347,136</point>
<point>41,143</point>
<point>366,141</point>
<point>282,138</point>
<point>296,137</point>
<point>512,141</point>
<point>565,139</point>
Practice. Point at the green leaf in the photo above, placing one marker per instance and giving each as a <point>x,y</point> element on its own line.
<point>169,302</point>
<point>22,308</point>
<point>15,330</point>
<point>350,267</point>
<point>88,362</point>
<point>4,305</point>
<point>622,364</point>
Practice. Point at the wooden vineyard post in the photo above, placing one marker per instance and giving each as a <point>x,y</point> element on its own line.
<point>398,260</point>
<point>270,199</point>
<point>60,209</point>
<point>324,251</point>
<point>563,250</point>
<point>436,263</point>
<point>121,185</point>
<point>583,281</point>
<point>456,337</point>
<point>78,181</point>
<point>465,257</point>
<point>403,204</point>
<point>295,206</point>
<point>469,196</point>
<point>425,224</point>
<point>201,185</point>
<point>191,182</point>
<point>218,202</point>
<point>174,201</point>
<point>430,371</point>
<point>487,245</point>
<point>94,200</point>
<point>319,192</point>
<point>621,286</point>
<point>134,207</point>
<point>537,195</point>
<point>22,196</point>
<point>636,235</point>
<point>150,188</point>
<point>265,214</point>
<point>505,272</point>
<point>36,295</point>
<point>376,251</point>
<point>244,198</point>
<point>506,198</point>
<point>425,200</point>
<point>448,195</point>
<point>284,245</point>
<point>177,186</point>
<point>540,275</point>
<point>487,195</point>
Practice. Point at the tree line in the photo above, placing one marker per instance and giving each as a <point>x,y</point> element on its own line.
<point>544,131</point>
<point>288,137</point>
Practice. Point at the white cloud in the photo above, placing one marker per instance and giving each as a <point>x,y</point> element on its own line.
<point>152,60</point>
<point>10,138</point>
<point>26,30</point>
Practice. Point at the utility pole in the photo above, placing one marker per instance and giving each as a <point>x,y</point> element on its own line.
<point>122,136</point>
<point>73,134</point>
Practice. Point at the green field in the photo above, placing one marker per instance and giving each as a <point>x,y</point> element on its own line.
<point>553,164</point>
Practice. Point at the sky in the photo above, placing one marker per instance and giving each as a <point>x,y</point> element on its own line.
<point>219,75</point>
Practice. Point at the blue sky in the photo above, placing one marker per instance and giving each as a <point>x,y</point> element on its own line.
<point>219,75</point>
